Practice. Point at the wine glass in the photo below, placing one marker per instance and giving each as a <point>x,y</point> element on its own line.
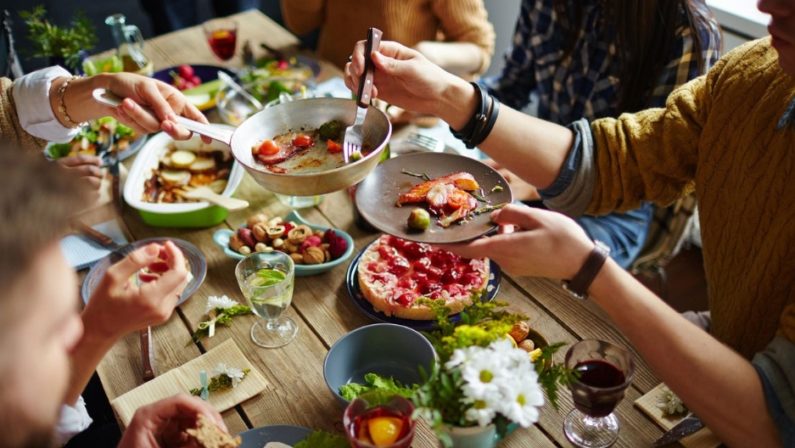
<point>604,371</point>
<point>222,36</point>
<point>374,419</point>
<point>267,281</point>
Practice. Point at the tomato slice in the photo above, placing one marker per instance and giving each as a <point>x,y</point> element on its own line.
<point>303,141</point>
<point>333,147</point>
<point>268,148</point>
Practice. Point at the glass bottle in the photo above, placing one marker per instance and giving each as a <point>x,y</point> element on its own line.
<point>129,45</point>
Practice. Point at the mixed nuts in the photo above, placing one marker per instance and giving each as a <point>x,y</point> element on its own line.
<point>301,242</point>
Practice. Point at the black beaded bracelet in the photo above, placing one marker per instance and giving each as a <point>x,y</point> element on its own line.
<point>482,121</point>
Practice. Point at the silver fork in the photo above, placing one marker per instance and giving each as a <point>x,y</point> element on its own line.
<point>425,142</point>
<point>353,134</point>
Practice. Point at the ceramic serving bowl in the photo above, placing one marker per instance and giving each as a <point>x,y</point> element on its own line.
<point>389,350</point>
<point>188,214</point>
<point>222,236</point>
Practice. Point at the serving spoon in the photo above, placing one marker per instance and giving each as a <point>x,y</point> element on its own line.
<point>206,194</point>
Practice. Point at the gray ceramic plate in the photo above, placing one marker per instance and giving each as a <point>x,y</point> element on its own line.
<point>258,437</point>
<point>377,194</point>
<point>195,258</point>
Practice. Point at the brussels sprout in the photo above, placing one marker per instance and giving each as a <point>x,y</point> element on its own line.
<point>419,219</point>
<point>331,130</point>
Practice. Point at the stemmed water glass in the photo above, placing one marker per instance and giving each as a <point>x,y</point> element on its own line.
<point>604,371</point>
<point>267,281</point>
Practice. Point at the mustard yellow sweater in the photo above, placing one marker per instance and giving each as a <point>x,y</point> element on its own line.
<point>718,134</point>
<point>344,22</point>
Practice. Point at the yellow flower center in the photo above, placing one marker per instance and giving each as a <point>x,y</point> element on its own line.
<point>479,404</point>
<point>486,376</point>
<point>521,400</point>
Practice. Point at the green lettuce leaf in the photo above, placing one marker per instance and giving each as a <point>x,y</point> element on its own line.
<point>376,382</point>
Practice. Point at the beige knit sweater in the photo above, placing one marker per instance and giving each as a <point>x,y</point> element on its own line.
<point>10,130</point>
<point>344,22</point>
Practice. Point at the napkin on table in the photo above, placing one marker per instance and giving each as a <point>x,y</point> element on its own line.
<point>81,251</point>
<point>186,377</point>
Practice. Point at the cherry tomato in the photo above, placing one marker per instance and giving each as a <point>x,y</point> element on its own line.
<point>302,141</point>
<point>185,71</point>
<point>158,267</point>
<point>333,147</point>
<point>146,277</point>
<point>196,80</point>
<point>268,148</point>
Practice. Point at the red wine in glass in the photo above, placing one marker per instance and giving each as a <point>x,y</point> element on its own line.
<point>599,398</point>
<point>603,372</point>
<point>222,36</point>
<point>223,43</point>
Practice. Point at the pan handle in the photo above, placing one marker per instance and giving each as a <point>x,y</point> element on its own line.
<point>219,133</point>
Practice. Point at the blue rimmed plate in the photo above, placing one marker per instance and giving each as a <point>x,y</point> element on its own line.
<point>355,293</point>
<point>222,236</point>
<point>195,258</point>
<point>288,434</point>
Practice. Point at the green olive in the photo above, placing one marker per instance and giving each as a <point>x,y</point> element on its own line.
<point>419,219</point>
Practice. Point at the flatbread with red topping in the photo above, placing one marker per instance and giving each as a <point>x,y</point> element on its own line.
<point>394,273</point>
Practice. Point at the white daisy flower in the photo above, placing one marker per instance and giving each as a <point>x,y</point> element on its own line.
<point>523,402</point>
<point>481,413</point>
<point>234,373</point>
<point>223,302</point>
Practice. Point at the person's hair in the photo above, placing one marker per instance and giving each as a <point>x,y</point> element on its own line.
<point>646,37</point>
<point>37,201</point>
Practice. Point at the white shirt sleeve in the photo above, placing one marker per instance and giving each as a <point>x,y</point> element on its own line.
<point>73,420</point>
<point>32,99</point>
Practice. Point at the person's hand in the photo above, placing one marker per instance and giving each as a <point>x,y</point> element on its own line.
<point>403,77</point>
<point>163,423</point>
<point>165,101</point>
<point>120,305</point>
<point>520,189</point>
<point>537,243</point>
<point>85,167</point>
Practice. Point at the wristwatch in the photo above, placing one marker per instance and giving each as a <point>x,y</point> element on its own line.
<point>578,286</point>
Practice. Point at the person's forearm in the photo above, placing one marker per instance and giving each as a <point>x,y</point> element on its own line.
<point>533,149</point>
<point>77,99</point>
<point>85,358</point>
<point>716,383</point>
<point>460,58</point>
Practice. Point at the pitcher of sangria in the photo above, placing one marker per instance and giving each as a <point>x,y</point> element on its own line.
<point>129,45</point>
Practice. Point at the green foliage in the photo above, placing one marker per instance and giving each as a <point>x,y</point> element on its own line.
<point>552,376</point>
<point>223,316</point>
<point>218,383</point>
<point>54,41</point>
<point>323,439</point>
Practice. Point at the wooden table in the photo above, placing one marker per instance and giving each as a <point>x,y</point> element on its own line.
<point>321,306</point>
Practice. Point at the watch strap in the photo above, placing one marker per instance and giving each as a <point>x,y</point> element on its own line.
<point>578,286</point>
